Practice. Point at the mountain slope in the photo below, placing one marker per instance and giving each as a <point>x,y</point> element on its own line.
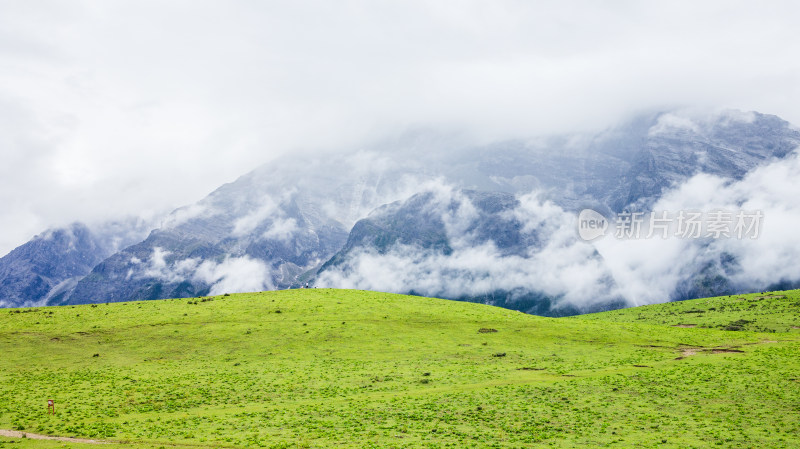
<point>278,224</point>
<point>633,164</point>
<point>46,269</point>
<point>756,312</point>
<point>272,224</point>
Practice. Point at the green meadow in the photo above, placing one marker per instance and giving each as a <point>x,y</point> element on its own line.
<point>338,368</point>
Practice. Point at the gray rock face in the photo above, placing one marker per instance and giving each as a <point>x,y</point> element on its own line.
<point>45,270</point>
<point>167,263</point>
<point>630,166</point>
<point>723,145</point>
<point>263,224</point>
<point>419,222</point>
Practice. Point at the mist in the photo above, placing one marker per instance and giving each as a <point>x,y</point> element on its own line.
<point>231,275</point>
<point>583,274</point>
<point>561,266</point>
<point>111,109</point>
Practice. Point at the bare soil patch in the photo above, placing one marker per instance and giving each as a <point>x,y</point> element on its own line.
<point>687,352</point>
<point>725,350</point>
<point>684,325</point>
<point>36,436</point>
<point>771,297</point>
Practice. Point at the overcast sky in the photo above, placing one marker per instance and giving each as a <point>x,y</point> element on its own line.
<point>130,107</point>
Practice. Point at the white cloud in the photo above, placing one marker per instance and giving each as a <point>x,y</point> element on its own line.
<point>282,229</point>
<point>671,122</point>
<point>644,271</point>
<point>116,108</point>
<point>248,223</point>
<point>696,119</point>
<point>563,267</point>
<point>159,268</point>
<point>186,213</point>
<point>649,270</point>
<point>771,189</point>
<point>234,275</point>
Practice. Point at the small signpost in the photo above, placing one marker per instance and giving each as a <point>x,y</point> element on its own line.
<point>51,407</point>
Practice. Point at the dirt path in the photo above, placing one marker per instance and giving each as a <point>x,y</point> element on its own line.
<point>36,436</point>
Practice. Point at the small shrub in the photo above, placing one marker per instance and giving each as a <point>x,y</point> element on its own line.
<point>736,325</point>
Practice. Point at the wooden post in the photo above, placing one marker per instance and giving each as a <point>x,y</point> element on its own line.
<point>51,407</point>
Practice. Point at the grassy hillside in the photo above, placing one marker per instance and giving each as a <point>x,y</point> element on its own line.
<point>325,368</point>
<point>759,312</point>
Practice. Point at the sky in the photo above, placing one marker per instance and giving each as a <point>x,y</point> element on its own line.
<point>113,108</point>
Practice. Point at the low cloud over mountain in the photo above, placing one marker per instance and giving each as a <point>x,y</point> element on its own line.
<point>489,247</point>
<point>436,215</point>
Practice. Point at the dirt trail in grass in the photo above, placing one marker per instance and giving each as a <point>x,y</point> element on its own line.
<point>36,436</point>
<point>690,351</point>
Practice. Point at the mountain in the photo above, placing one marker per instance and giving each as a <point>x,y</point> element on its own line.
<point>631,165</point>
<point>323,217</point>
<point>628,168</point>
<point>46,269</point>
<point>258,228</point>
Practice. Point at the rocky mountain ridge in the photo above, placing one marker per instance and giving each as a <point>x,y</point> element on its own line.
<point>297,219</point>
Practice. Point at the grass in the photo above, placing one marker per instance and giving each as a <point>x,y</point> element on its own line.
<point>324,368</point>
<point>759,312</point>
